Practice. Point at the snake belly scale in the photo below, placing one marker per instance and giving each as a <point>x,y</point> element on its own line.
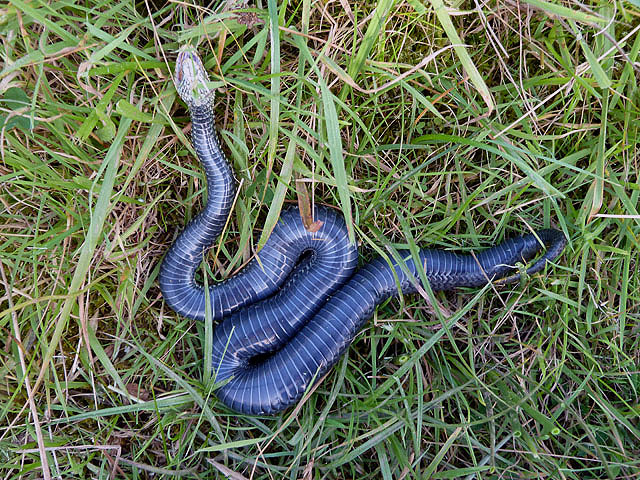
<point>288,316</point>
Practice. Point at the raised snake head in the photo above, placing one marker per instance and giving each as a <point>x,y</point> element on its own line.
<point>191,78</point>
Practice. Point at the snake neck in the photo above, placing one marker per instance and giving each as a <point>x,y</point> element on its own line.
<point>177,275</point>
<point>219,177</point>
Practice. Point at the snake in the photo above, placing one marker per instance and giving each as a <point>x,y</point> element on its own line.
<point>285,319</point>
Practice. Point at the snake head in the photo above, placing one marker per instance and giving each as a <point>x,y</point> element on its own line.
<point>191,79</point>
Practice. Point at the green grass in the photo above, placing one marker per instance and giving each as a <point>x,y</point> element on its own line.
<point>426,125</point>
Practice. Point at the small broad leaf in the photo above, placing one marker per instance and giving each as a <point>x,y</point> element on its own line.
<point>128,110</point>
<point>108,131</point>
<point>16,99</point>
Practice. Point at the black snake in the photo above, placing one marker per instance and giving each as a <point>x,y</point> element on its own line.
<point>287,317</point>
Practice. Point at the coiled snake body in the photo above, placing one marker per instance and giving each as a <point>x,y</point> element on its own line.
<point>286,318</point>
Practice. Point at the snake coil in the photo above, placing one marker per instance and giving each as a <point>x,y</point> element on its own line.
<point>288,316</point>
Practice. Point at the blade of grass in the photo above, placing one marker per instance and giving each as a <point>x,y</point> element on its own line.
<point>474,75</point>
<point>371,36</point>
<point>599,74</point>
<point>334,141</point>
<point>597,188</point>
<point>565,12</point>
<point>335,154</point>
<point>442,451</point>
<point>284,180</point>
<point>274,115</point>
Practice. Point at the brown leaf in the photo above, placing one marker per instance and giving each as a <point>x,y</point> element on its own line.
<point>306,211</point>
